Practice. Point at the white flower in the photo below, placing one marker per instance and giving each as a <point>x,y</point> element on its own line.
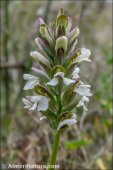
<point>32,81</point>
<point>85,53</point>
<point>58,75</point>
<point>83,90</point>
<point>67,123</point>
<point>39,103</point>
<point>75,73</point>
<point>82,102</point>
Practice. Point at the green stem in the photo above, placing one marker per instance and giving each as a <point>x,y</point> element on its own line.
<point>54,151</point>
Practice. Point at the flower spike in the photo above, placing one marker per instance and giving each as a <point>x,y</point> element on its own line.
<point>56,84</point>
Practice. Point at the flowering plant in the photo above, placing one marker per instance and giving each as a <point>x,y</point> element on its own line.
<point>57,85</point>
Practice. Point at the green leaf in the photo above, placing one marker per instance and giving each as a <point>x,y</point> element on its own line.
<point>74,144</point>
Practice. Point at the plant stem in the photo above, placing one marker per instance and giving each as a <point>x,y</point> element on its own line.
<point>54,151</point>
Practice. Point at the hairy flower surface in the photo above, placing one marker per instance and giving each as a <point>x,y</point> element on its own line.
<point>57,85</point>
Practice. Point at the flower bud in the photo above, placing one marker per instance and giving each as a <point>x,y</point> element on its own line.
<point>43,76</point>
<point>38,56</point>
<point>44,31</point>
<point>73,34</point>
<point>41,21</point>
<point>41,45</point>
<point>62,24</point>
<point>62,21</point>
<point>61,43</point>
<point>43,48</point>
<point>69,23</point>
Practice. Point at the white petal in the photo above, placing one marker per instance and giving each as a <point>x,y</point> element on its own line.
<point>67,81</point>
<point>85,85</point>
<point>60,74</point>
<point>36,98</point>
<point>30,84</point>
<point>40,103</point>
<point>85,108</point>
<point>85,99</point>
<point>75,72</point>
<point>43,104</point>
<point>34,106</point>
<point>53,82</point>
<point>27,103</point>
<point>85,53</point>
<point>66,122</point>
<point>28,77</point>
<point>83,90</point>
<point>81,82</point>
<point>44,117</point>
<point>74,116</point>
<point>81,102</point>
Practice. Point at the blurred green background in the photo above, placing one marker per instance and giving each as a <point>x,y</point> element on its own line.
<point>24,138</point>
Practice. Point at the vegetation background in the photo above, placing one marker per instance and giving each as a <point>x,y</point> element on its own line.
<point>24,138</point>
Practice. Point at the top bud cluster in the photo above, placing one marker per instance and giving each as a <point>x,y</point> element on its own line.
<point>57,87</point>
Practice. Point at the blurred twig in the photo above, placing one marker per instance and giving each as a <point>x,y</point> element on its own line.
<point>15,65</point>
<point>47,9</point>
<point>101,6</point>
<point>6,17</point>
<point>83,8</point>
<point>23,68</point>
<point>82,148</point>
